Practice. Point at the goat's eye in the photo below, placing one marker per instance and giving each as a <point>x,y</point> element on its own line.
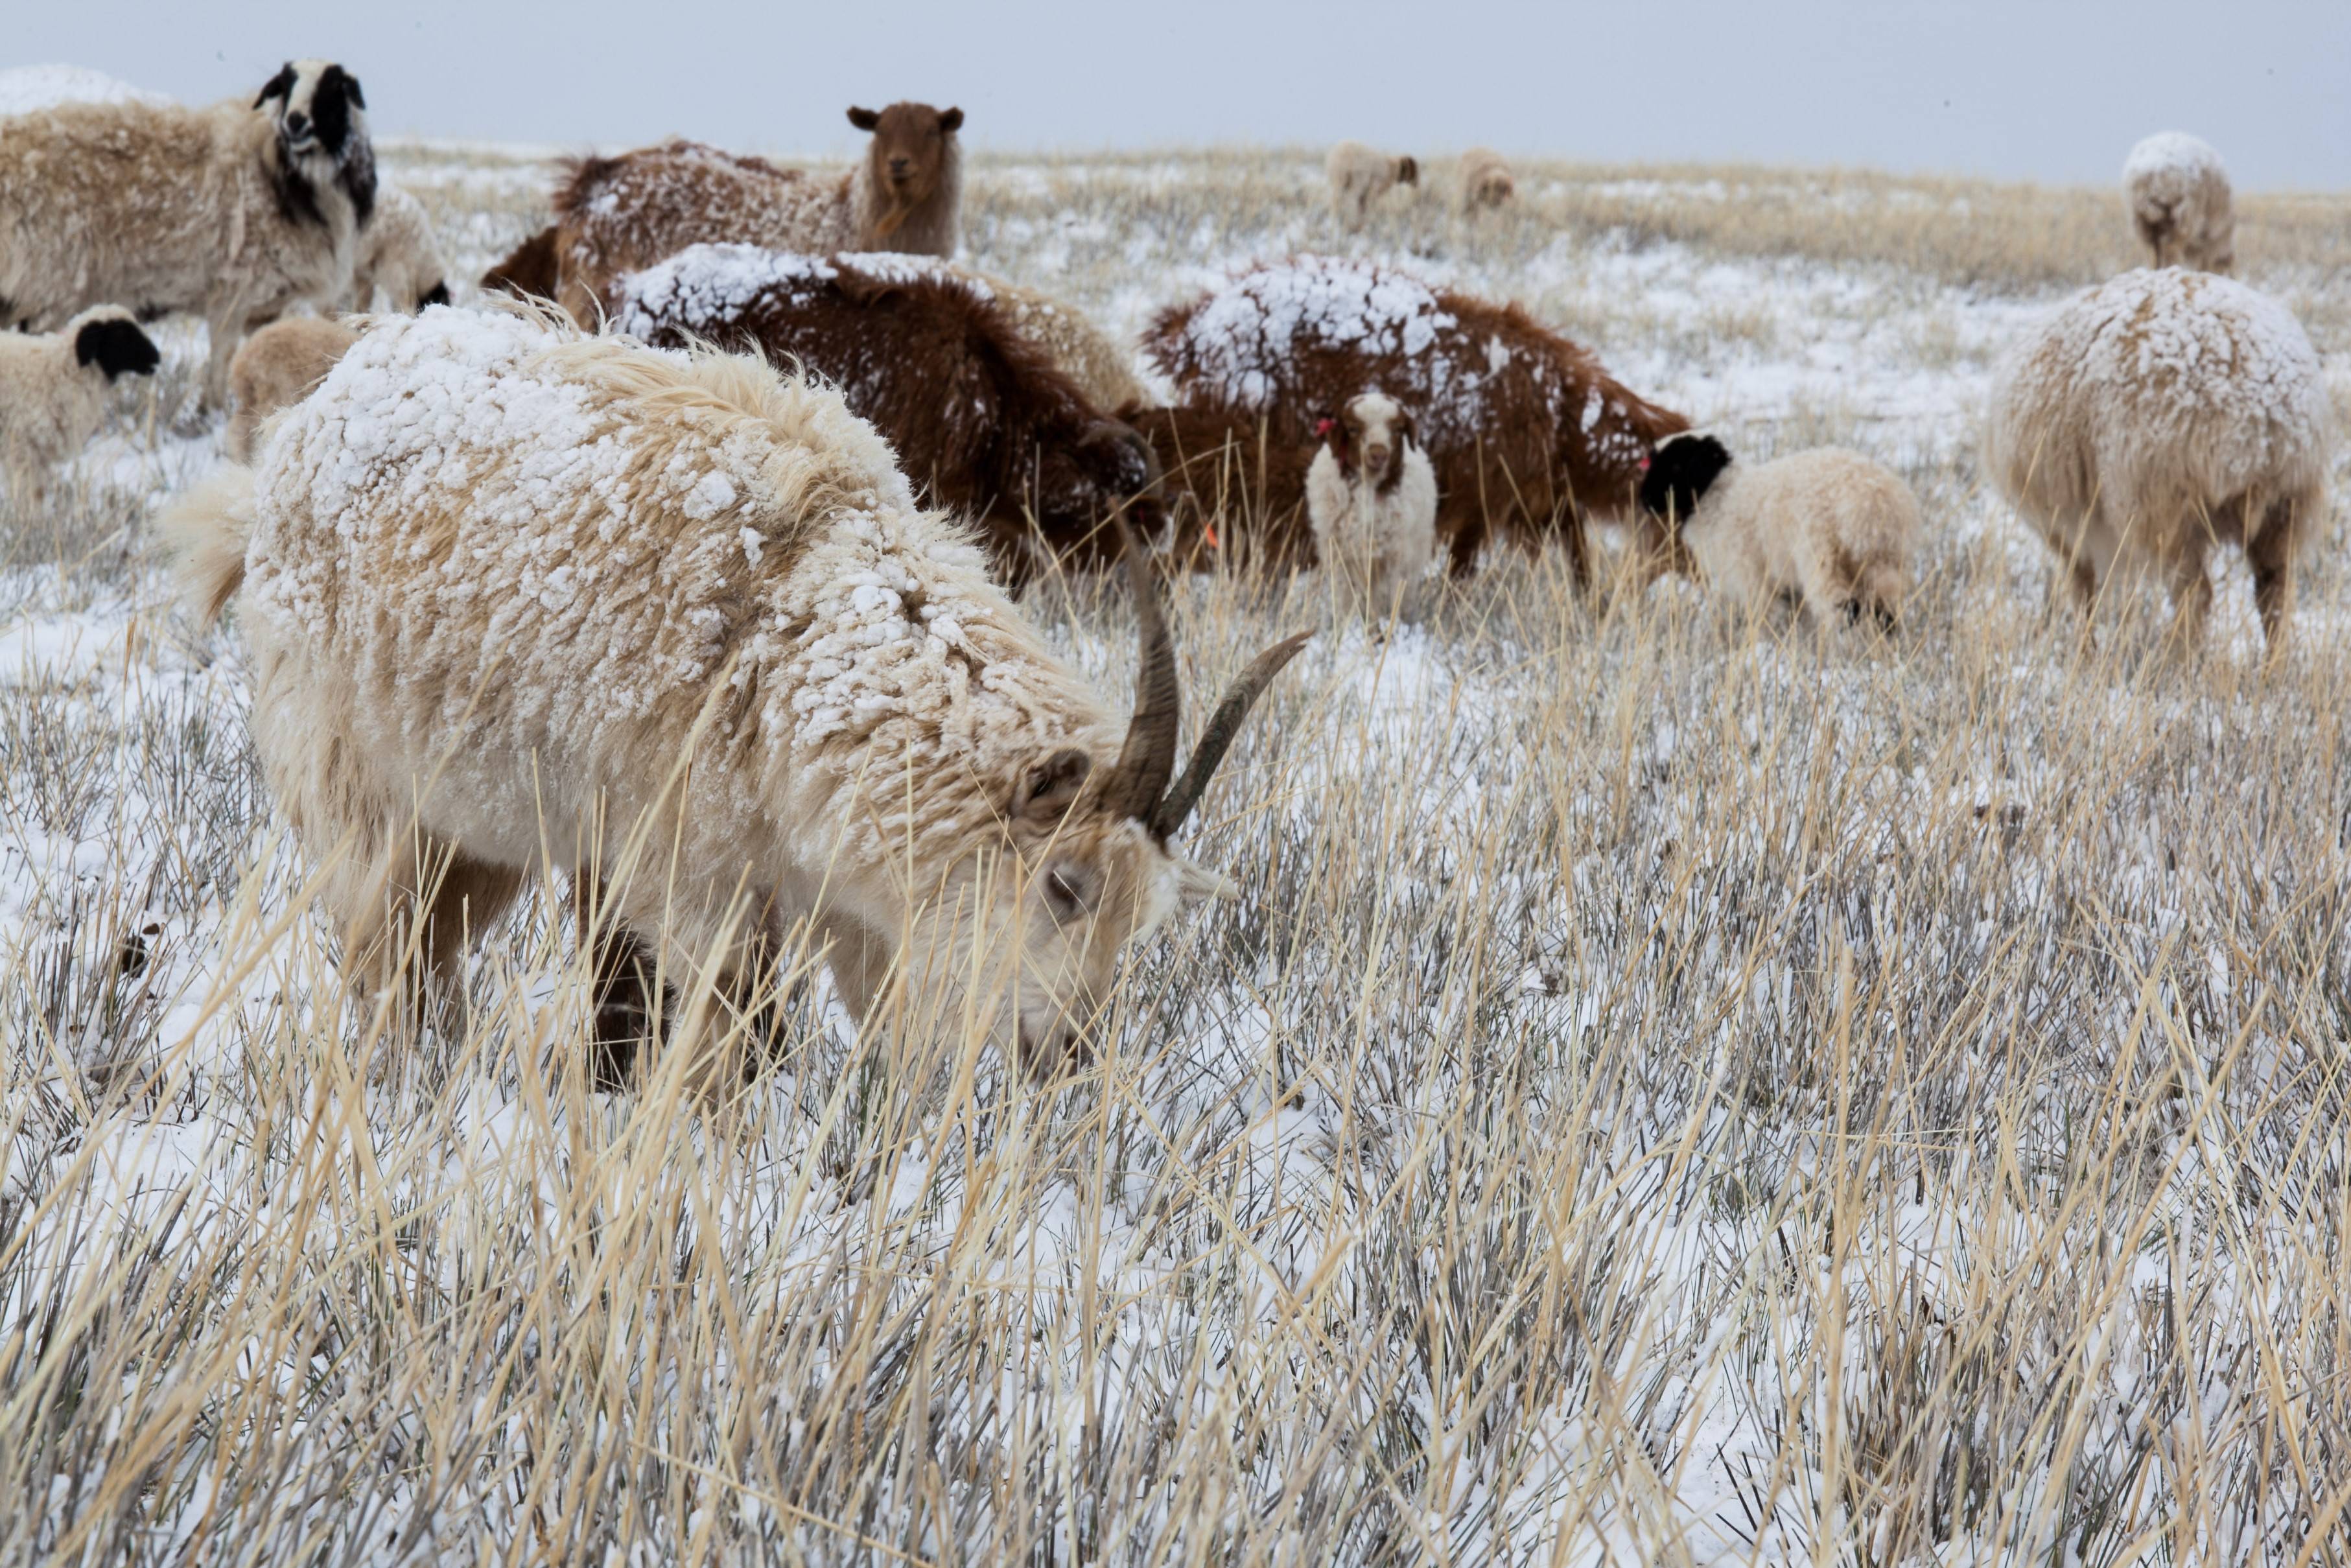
<point>1067,892</point>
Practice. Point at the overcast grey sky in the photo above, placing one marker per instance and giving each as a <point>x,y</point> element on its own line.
<point>2051,91</point>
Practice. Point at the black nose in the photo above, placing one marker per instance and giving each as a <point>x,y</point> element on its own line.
<point>298,123</point>
<point>900,165</point>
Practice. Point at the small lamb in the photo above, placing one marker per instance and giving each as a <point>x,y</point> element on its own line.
<point>54,390</point>
<point>1371,500</point>
<point>277,368</point>
<point>1829,526</point>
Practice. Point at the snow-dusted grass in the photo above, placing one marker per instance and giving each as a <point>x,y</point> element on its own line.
<point>1673,1090</point>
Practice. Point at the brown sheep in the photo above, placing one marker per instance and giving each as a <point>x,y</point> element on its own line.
<point>975,409</point>
<point>615,215</point>
<point>277,368</point>
<point>1528,436</point>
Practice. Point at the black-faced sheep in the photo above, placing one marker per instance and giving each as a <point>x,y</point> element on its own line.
<point>2155,415</point>
<point>1529,434</point>
<point>616,215</point>
<point>53,390</point>
<point>1371,497</point>
<point>235,211</point>
<point>977,413</point>
<point>1829,526</point>
<point>1359,177</point>
<point>398,258</point>
<point>569,589</point>
<point>2177,191</point>
<point>278,367</point>
<point>1485,181</point>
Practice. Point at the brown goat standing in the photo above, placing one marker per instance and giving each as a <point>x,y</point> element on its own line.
<point>1528,436</point>
<point>974,408</point>
<point>615,215</point>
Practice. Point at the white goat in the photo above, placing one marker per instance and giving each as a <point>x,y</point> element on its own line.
<point>1371,500</point>
<point>515,593</point>
<point>1359,177</point>
<point>1829,526</point>
<point>2158,414</point>
<point>2177,191</point>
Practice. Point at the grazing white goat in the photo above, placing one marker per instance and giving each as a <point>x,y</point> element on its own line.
<point>515,593</point>
<point>1828,526</point>
<point>1359,177</point>
<point>2156,416</point>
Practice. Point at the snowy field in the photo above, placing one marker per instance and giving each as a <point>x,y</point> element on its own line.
<point>1672,1091</point>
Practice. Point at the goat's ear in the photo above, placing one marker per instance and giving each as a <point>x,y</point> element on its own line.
<point>1195,884</point>
<point>1407,171</point>
<point>277,86</point>
<point>951,122</point>
<point>1049,786</point>
<point>863,118</point>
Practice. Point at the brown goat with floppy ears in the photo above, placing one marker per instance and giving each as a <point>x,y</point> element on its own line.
<point>615,215</point>
<point>975,409</point>
<point>1528,436</point>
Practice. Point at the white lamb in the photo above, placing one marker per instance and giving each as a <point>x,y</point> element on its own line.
<point>2156,416</point>
<point>1359,177</point>
<point>1828,526</point>
<point>53,390</point>
<point>2177,191</point>
<point>514,593</point>
<point>399,256</point>
<point>1371,500</point>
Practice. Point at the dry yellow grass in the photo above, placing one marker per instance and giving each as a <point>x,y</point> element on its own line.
<point>1675,1090</point>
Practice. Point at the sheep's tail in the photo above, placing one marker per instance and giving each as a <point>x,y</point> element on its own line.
<point>206,532</point>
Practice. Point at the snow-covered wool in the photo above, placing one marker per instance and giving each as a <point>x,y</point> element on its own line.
<point>513,595</point>
<point>615,215</point>
<point>2177,191</point>
<point>978,413</point>
<point>1485,181</point>
<point>2158,413</point>
<point>1527,433</point>
<point>1235,491</point>
<point>1102,369</point>
<point>278,367</point>
<point>1828,525</point>
<point>54,390</point>
<point>1361,175</point>
<point>235,211</point>
<point>1371,497</point>
<point>398,258</point>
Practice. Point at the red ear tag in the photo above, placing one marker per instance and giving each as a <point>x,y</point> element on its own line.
<point>1645,465</point>
<point>1322,427</point>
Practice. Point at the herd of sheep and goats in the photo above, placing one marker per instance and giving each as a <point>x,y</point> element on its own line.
<point>732,463</point>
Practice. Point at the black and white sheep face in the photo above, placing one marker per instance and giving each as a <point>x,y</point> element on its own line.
<point>1678,473</point>
<point>117,347</point>
<point>321,119</point>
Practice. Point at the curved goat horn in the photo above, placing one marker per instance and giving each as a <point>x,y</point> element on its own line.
<point>1145,762</point>
<point>1223,726</point>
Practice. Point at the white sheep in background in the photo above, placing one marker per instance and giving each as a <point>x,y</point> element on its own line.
<point>53,390</point>
<point>2156,415</point>
<point>1485,181</point>
<point>2177,191</point>
<point>1371,500</point>
<point>1829,526</point>
<point>235,211</point>
<point>1359,177</point>
<point>399,256</point>
<point>496,626</point>
<point>278,367</point>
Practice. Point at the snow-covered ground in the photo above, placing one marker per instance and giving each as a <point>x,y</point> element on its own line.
<point>1672,1091</point>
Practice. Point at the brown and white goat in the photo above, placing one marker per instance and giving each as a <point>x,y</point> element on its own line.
<point>571,596</point>
<point>977,411</point>
<point>616,215</point>
<point>1371,498</point>
<point>1527,435</point>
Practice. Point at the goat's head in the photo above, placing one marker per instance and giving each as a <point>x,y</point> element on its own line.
<point>321,120</point>
<point>1087,479</point>
<point>1408,170</point>
<point>1092,865</point>
<point>913,145</point>
<point>1675,477</point>
<point>1369,436</point>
